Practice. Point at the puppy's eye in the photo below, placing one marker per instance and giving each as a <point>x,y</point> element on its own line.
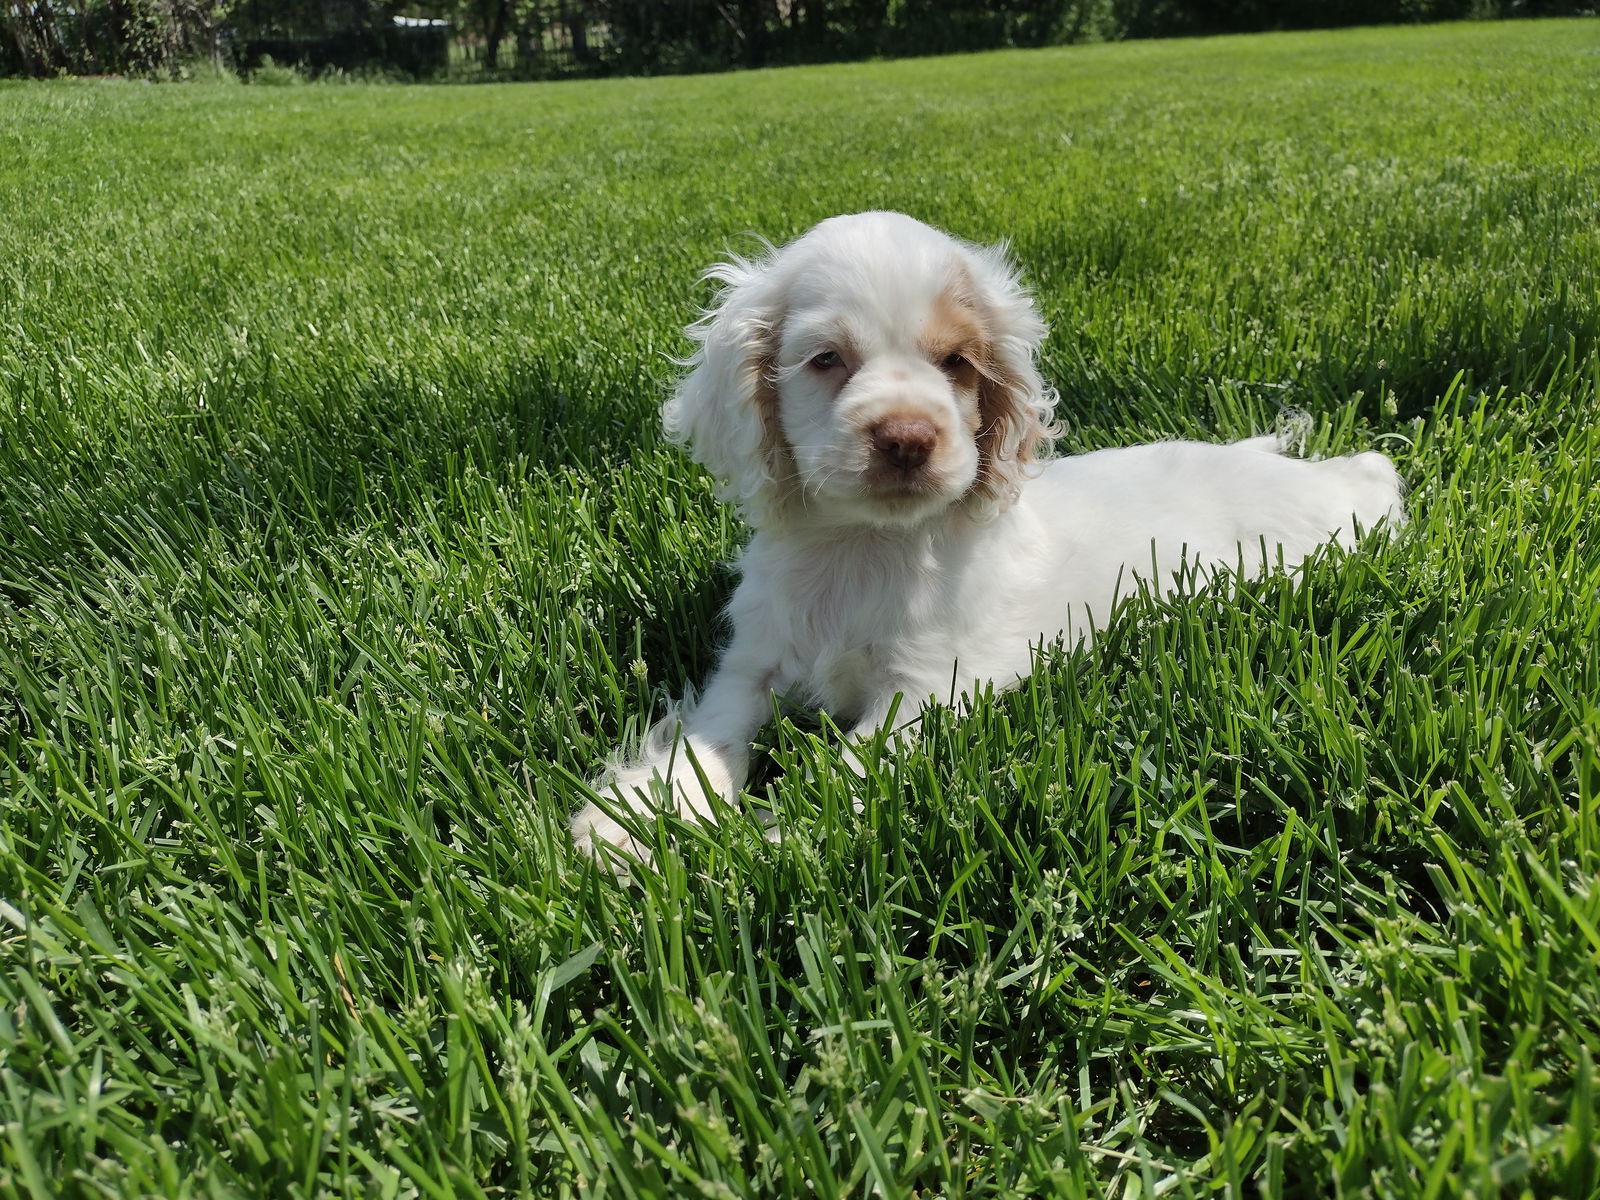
<point>953,362</point>
<point>827,360</point>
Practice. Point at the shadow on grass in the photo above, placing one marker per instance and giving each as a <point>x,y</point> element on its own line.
<point>294,468</point>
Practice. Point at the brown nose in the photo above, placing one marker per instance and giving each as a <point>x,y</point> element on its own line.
<point>906,442</point>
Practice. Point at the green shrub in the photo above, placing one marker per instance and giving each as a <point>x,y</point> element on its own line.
<point>270,74</point>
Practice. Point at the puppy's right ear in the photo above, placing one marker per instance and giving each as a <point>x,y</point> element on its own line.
<point>725,410</point>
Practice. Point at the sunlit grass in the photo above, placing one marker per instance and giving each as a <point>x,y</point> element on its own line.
<point>338,546</point>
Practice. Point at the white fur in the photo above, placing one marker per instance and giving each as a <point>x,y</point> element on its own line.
<point>869,579</point>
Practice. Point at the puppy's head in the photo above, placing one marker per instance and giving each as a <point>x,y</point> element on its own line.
<point>872,372</point>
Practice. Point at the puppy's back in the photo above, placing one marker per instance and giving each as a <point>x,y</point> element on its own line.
<point>1155,506</point>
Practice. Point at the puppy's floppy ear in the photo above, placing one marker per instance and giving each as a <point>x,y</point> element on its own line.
<point>1016,408</point>
<point>725,410</point>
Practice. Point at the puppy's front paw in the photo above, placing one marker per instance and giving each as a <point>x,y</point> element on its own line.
<point>597,833</point>
<point>640,789</point>
<point>682,784</point>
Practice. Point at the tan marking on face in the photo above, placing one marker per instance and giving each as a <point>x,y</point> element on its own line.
<point>1005,427</point>
<point>762,386</point>
<point>1009,427</point>
<point>954,327</point>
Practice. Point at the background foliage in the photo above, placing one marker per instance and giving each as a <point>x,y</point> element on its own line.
<point>543,38</point>
<point>91,37</point>
<point>338,545</point>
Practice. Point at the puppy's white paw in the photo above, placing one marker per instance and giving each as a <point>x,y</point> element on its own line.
<point>646,788</point>
<point>677,784</point>
<point>597,833</point>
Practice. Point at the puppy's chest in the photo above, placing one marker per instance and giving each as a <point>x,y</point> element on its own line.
<point>851,634</point>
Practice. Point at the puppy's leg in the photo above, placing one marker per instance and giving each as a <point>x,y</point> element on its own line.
<point>693,754</point>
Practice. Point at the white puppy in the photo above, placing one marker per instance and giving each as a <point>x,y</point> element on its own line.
<point>868,396</point>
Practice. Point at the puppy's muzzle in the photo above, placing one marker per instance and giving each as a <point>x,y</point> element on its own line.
<point>904,443</point>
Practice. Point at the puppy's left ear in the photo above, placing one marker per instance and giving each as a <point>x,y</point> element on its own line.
<point>1016,408</point>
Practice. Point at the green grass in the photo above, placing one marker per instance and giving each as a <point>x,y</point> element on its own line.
<point>338,546</point>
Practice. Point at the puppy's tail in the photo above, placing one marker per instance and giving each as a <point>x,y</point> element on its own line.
<point>1290,434</point>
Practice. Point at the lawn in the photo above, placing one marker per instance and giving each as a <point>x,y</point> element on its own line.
<point>338,546</point>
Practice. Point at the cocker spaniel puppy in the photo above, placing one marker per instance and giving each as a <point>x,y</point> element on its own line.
<point>868,396</point>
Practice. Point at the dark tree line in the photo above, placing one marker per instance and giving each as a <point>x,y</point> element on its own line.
<point>533,38</point>
<point>536,37</point>
<point>93,37</point>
